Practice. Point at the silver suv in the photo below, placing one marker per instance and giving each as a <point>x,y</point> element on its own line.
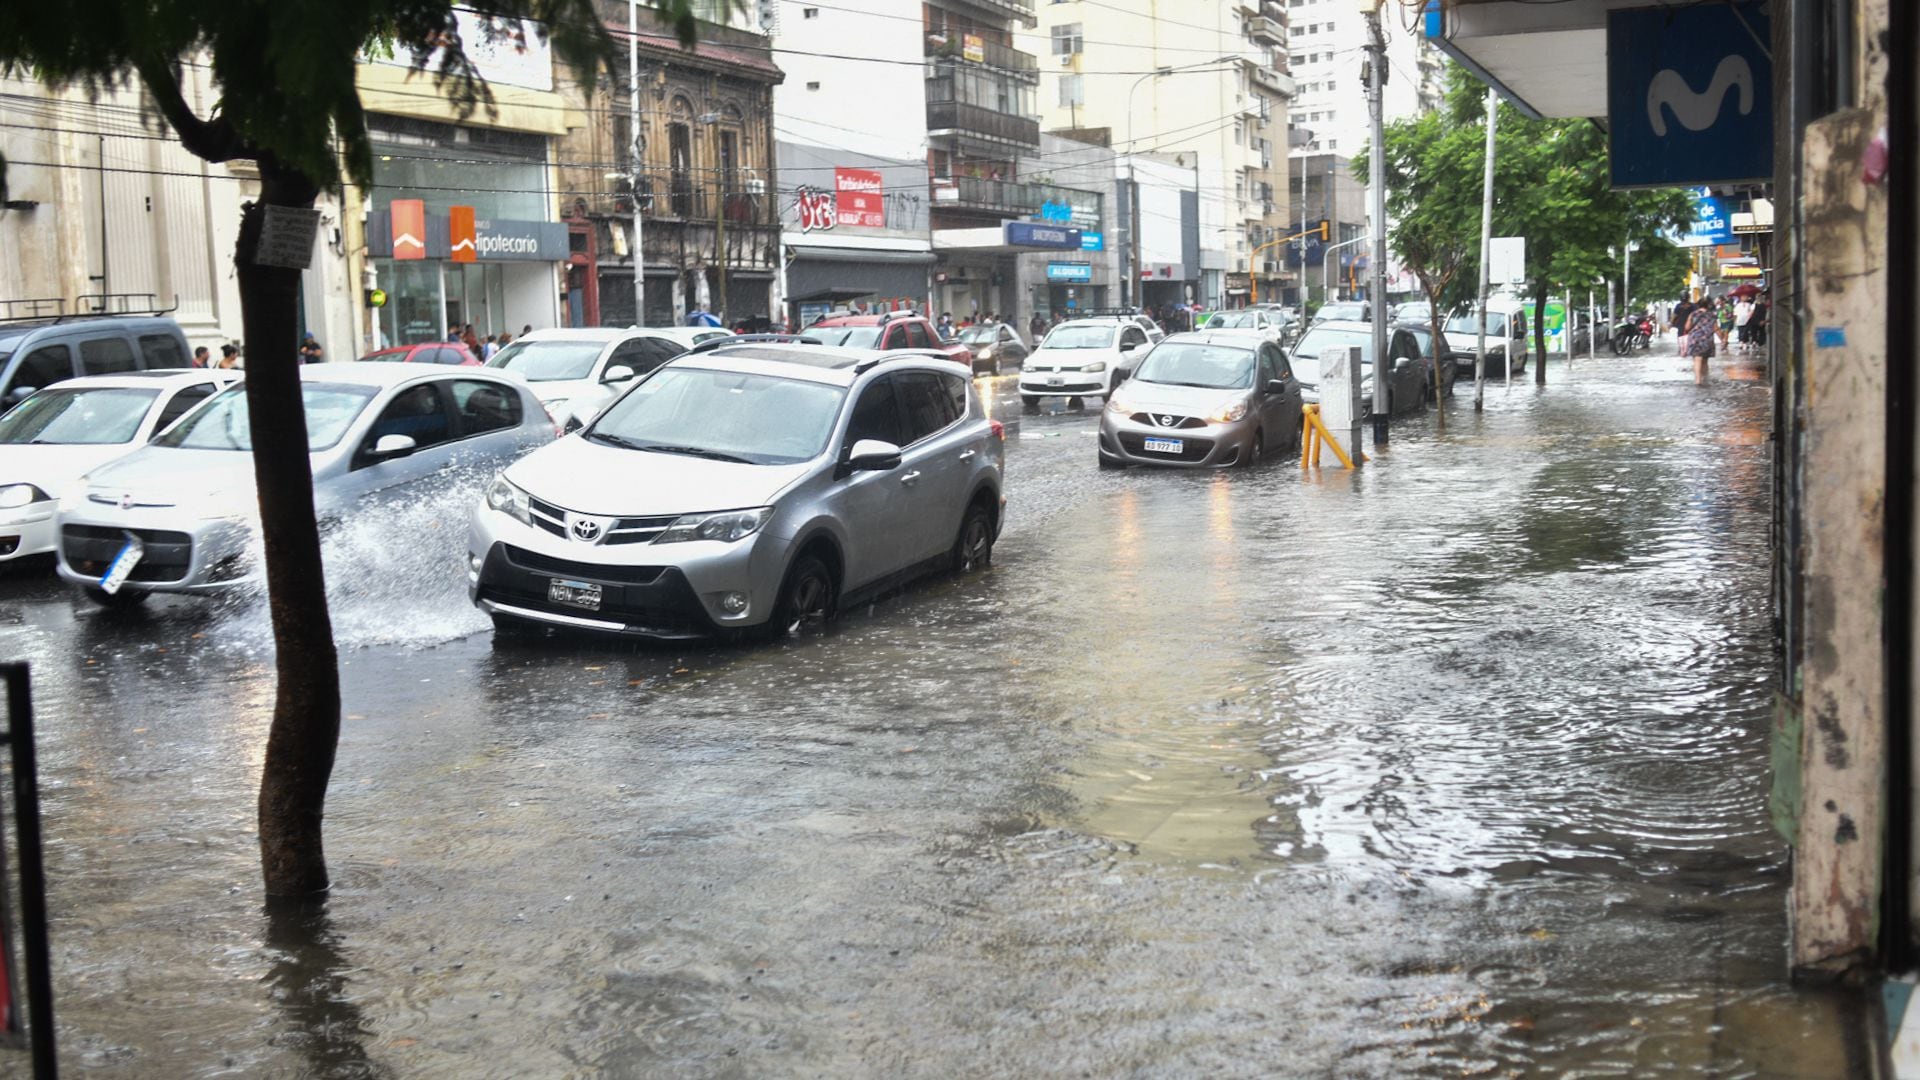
<point>757,485</point>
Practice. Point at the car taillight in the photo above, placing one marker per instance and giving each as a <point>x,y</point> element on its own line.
<point>999,430</point>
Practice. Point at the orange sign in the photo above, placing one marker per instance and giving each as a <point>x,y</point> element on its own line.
<point>461,245</point>
<point>409,228</point>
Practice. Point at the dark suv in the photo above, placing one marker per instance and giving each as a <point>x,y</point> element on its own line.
<point>36,353</point>
<point>887,331</point>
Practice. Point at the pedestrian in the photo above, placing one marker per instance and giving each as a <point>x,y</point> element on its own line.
<point>229,357</point>
<point>1743,320</point>
<point>310,351</point>
<point>1698,340</point>
<point>506,339</point>
<point>527,329</point>
<point>1723,314</point>
<point>1037,326</point>
<point>200,356</point>
<point>488,346</point>
<point>1761,306</point>
<point>946,324</point>
<point>1678,317</point>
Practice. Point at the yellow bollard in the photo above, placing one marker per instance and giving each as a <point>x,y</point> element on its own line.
<point>1313,417</point>
<point>1307,437</point>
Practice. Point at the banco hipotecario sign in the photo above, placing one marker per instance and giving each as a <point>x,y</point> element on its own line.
<point>494,240</point>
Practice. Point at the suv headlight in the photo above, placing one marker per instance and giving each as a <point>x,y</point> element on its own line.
<point>507,498</point>
<point>1227,414</point>
<point>725,526</point>
<point>15,496</point>
<point>1098,365</point>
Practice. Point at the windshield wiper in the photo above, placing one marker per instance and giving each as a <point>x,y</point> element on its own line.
<point>693,451</point>
<point>617,440</point>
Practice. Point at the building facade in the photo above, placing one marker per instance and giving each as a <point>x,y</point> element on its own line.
<point>1205,88</point>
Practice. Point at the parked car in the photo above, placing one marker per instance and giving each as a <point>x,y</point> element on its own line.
<point>451,353</point>
<point>1082,357</point>
<point>54,437</point>
<point>1147,326</point>
<point>1270,324</point>
<point>761,486</point>
<point>1408,385</point>
<point>576,372</point>
<point>178,515</point>
<point>688,336</point>
<point>1201,399</point>
<point>1506,333</point>
<point>993,347</point>
<point>888,331</point>
<point>1344,311</point>
<point>1413,311</point>
<point>1448,363</point>
<point>36,353</point>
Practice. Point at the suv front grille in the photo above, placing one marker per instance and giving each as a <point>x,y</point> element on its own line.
<point>546,564</point>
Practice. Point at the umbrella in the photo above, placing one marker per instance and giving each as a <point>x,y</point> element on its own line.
<point>1745,290</point>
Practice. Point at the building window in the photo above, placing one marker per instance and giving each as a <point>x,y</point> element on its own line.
<point>1073,91</point>
<point>1333,144</point>
<point>1067,40</point>
<point>810,13</point>
<point>813,86</point>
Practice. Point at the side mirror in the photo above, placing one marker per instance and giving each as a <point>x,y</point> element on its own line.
<point>1276,386</point>
<point>19,394</point>
<point>393,446</point>
<point>617,373</point>
<point>873,455</point>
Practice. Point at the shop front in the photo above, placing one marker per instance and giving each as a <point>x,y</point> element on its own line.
<point>852,231</point>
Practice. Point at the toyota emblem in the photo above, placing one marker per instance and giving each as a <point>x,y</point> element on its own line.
<point>586,529</point>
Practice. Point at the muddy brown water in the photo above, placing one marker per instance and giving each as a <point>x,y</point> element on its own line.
<point>1455,766</point>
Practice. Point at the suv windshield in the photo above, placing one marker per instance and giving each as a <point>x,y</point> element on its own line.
<point>222,424</point>
<point>1467,322</point>
<point>549,361</point>
<point>105,415</point>
<point>1213,367</point>
<point>725,415</point>
<point>853,337</point>
<point>1084,336</point>
<point>1321,338</point>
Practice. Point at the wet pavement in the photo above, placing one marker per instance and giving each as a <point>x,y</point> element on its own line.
<point>1455,766</point>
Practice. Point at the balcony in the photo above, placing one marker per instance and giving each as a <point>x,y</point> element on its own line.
<point>1267,31</point>
<point>991,53</point>
<point>960,118</point>
<point>1014,9</point>
<point>1011,198</point>
<point>1268,79</point>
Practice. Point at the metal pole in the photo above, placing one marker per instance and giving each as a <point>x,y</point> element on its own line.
<point>1486,253</point>
<point>634,156</point>
<point>1626,283</point>
<point>1377,178</point>
<point>1303,235</point>
<point>1593,328</point>
<point>33,874</point>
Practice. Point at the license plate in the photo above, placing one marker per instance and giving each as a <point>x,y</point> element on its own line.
<point>1166,446</point>
<point>580,594</point>
<point>1055,380</point>
<point>122,567</point>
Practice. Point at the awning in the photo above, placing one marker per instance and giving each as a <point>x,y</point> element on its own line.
<point>831,295</point>
<point>864,255</point>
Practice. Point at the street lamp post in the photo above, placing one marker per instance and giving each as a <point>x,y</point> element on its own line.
<point>1133,184</point>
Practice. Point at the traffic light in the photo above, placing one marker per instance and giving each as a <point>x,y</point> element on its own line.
<point>376,298</point>
<point>1326,229</point>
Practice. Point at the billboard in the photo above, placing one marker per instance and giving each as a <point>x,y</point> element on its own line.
<point>859,198</point>
<point>1690,95</point>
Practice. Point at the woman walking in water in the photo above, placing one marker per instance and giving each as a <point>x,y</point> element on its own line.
<point>1697,341</point>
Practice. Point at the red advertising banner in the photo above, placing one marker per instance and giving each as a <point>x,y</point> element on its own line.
<point>461,238</point>
<point>409,228</point>
<point>859,198</point>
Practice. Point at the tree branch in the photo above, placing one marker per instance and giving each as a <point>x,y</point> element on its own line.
<point>210,140</point>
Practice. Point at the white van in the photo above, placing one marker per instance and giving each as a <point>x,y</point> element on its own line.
<point>1508,333</point>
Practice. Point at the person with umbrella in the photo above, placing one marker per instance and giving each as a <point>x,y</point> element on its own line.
<point>1743,313</point>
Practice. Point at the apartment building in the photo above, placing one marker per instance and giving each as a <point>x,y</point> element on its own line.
<point>1205,87</point>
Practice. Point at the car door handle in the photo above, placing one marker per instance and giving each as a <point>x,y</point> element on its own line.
<point>911,478</point>
<point>967,455</point>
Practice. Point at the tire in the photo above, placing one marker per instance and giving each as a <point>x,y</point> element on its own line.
<point>1256,451</point>
<point>973,547</point>
<point>124,600</point>
<point>1030,401</point>
<point>1108,463</point>
<point>508,628</point>
<point>807,596</point>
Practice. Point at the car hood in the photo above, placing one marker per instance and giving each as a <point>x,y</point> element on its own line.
<point>169,476</point>
<point>1469,343</point>
<point>1186,400</point>
<point>575,473</point>
<point>51,468</point>
<point>1068,359</point>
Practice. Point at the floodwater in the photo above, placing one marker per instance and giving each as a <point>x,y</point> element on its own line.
<point>1454,766</point>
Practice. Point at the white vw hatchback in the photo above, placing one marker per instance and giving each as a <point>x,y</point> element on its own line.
<point>1080,358</point>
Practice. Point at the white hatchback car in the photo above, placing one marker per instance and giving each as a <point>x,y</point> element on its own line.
<point>54,437</point>
<point>1082,357</point>
<point>577,372</point>
<point>178,515</point>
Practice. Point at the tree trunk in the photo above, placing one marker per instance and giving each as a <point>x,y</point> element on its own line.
<point>1539,334</point>
<point>306,707</point>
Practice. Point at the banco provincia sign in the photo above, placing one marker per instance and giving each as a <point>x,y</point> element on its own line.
<point>494,239</point>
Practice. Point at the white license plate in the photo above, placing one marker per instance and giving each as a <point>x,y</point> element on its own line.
<point>1055,380</point>
<point>122,566</point>
<point>1165,446</point>
<point>580,594</point>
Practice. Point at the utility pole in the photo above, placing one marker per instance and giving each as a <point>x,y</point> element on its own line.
<point>636,160</point>
<point>1377,170</point>
<point>1486,253</point>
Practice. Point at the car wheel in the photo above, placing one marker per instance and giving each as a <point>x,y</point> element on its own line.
<point>1031,401</point>
<point>124,600</point>
<point>1109,463</point>
<point>508,628</point>
<point>973,548</point>
<point>1256,450</point>
<point>806,599</point>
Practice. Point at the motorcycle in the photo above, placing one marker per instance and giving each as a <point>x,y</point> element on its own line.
<point>1634,332</point>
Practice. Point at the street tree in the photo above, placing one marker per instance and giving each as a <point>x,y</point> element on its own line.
<point>284,76</point>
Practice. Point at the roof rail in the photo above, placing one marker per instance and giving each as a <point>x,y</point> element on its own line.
<point>1102,313</point>
<point>711,344</point>
<point>899,354</point>
<point>885,316</point>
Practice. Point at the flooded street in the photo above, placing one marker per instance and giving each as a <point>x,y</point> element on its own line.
<point>1454,766</point>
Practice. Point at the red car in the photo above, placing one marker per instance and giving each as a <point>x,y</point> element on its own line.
<point>432,352</point>
<point>885,331</point>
